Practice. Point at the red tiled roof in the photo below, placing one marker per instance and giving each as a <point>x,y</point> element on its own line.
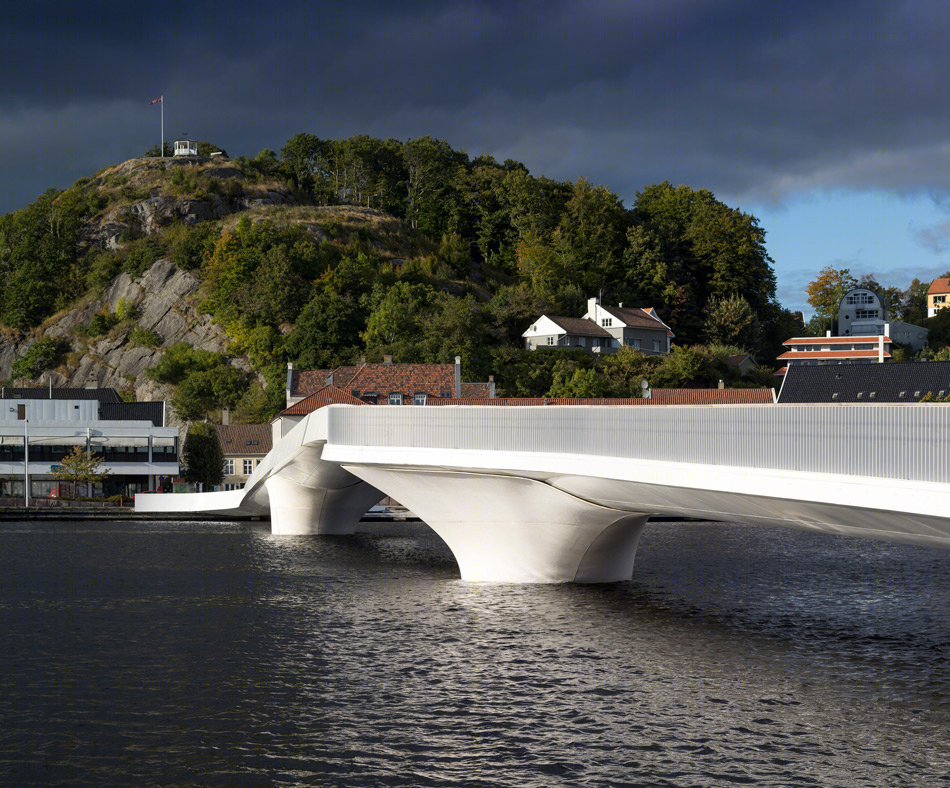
<point>328,395</point>
<point>939,286</point>
<point>858,338</point>
<point>658,397</point>
<point>244,438</point>
<point>476,390</point>
<point>580,325</point>
<point>802,355</point>
<point>304,382</point>
<point>433,379</point>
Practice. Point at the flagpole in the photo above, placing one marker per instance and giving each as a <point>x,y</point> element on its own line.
<point>163,126</point>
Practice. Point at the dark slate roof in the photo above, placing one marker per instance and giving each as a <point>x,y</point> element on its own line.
<point>857,382</point>
<point>133,411</point>
<point>40,392</point>
<point>580,326</point>
<point>244,439</point>
<point>635,317</point>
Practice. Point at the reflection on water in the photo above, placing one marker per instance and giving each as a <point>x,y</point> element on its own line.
<point>216,654</point>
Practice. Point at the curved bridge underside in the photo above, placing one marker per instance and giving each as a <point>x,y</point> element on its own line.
<point>522,515</point>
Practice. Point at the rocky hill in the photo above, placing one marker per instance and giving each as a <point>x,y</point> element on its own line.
<point>148,198</point>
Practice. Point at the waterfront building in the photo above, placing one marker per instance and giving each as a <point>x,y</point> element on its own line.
<point>39,427</point>
<point>602,329</point>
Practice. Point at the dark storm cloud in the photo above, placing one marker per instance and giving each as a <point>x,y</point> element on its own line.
<point>752,99</point>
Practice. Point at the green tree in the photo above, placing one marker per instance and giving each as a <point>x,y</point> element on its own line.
<point>78,467</point>
<point>731,321</point>
<point>686,247</point>
<point>826,291</point>
<point>202,456</point>
<point>914,300</point>
<point>397,315</point>
<point>42,355</point>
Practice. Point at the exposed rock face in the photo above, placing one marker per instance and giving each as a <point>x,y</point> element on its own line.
<point>164,300</point>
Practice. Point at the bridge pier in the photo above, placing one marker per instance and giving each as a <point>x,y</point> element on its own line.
<point>298,509</point>
<point>511,529</point>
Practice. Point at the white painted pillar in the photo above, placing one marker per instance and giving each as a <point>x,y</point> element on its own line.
<point>509,529</point>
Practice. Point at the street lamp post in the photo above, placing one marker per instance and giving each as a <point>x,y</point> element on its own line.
<point>26,460</point>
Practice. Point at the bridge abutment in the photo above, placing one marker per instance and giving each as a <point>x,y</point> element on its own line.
<point>297,509</point>
<point>516,530</point>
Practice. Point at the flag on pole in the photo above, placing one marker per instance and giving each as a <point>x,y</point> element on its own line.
<point>155,101</point>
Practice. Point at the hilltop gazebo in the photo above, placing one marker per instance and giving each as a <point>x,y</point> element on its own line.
<point>186,147</point>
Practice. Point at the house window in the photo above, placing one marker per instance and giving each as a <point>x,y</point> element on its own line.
<point>656,345</point>
<point>865,314</point>
<point>248,467</point>
<point>370,397</point>
<point>581,342</point>
<point>419,398</point>
<point>635,344</point>
<point>860,298</point>
<point>229,467</point>
<point>607,322</point>
<point>550,340</point>
<point>395,398</point>
<point>940,299</point>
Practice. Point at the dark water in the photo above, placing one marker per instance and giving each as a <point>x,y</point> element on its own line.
<point>209,654</point>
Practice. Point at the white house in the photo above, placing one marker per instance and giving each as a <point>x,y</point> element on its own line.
<point>602,329</point>
<point>862,312</point>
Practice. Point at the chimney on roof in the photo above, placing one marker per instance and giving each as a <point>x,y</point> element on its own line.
<point>721,384</point>
<point>491,387</point>
<point>289,386</point>
<point>387,359</point>
<point>458,377</point>
<point>880,349</point>
<point>828,333</point>
<point>592,308</point>
<point>225,417</point>
<point>362,361</point>
<point>620,305</point>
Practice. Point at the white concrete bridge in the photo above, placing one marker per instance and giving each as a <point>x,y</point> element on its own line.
<point>561,494</point>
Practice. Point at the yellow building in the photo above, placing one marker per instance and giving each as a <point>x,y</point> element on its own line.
<point>937,296</point>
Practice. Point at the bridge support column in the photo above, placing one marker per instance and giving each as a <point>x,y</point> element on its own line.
<point>513,530</point>
<point>296,509</point>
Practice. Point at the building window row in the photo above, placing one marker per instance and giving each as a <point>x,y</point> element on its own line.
<point>859,298</point>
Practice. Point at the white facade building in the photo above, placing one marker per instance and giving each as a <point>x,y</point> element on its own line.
<point>136,452</point>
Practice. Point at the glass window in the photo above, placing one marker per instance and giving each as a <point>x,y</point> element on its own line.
<point>550,340</point>
<point>656,345</point>
<point>229,467</point>
<point>395,398</point>
<point>248,467</point>
<point>419,398</point>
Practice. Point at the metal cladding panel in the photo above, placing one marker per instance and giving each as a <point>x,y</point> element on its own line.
<point>890,441</point>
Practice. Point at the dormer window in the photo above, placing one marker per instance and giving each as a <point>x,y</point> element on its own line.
<point>395,398</point>
<point>607,322</point>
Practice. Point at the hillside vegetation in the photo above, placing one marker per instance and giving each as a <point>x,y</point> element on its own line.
<point>332,250</point>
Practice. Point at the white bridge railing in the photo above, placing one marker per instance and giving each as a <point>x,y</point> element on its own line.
<point>886,441</point>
